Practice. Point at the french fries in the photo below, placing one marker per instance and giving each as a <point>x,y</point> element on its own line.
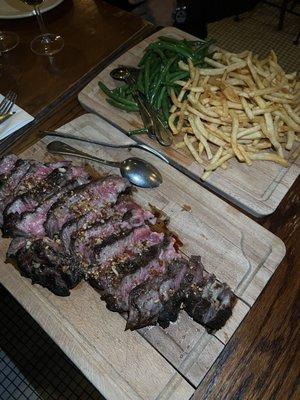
<point>240,107</point>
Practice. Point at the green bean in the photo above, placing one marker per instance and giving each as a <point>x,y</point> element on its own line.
<point>162,76</point>
<point>176,76</point>
<point>146,79</point>
<point>174,48</point>
<point>115,97</point>
<point>165,107</point>
<point>140,81</point>
<point>160,97</point>
<point>122,106</point>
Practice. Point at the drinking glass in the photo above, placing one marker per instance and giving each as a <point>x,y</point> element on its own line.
<point>8,41</point>
<point>46,44</point>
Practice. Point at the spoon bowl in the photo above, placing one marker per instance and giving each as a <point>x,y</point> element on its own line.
<point>121,74</point>
<point>138,172</point>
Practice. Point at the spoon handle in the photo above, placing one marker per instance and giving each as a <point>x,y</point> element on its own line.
<point>58,147</point>
<point>146,116</point>
<point>105,144</point>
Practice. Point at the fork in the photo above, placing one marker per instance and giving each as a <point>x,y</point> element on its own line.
<point>6,105</point>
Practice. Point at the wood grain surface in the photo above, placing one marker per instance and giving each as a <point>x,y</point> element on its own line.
<point>258,189</point>
<point>234,248</point>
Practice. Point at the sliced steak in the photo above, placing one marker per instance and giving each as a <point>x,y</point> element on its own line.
<point>82,200</point>
<point>30,221</point>
<point>11,184</point>
<point>158,299</point>
<point>41,182</point>
<point>210,303</point>
<point>31,224</point>
<point>123,277</point>
<point>6,165</point>
<point>121,247</point>
<point>99,215</point>
<point>44,261</point>
<point>126,216</point>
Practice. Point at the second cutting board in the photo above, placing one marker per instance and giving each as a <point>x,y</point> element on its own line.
<point>258,189</point>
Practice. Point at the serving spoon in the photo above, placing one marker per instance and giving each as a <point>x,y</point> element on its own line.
<point>138,172</point>
<point>149,116</point>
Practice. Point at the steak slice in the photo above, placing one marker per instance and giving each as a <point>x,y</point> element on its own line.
<point>122,278</point>
<point>44,261</point>
<point>40,182</point>
<point>159,298</point>
<point>6,165</point>
<point>10,186</point>
<point>99,214</point>
<point>209,303</point>
<point>125,216</point>
<point>82,200</point>
<point>31,224</point>
<point>121,247</point>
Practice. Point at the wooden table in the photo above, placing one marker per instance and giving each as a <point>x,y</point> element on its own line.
<point>94,33</point>
<point>261,359</point>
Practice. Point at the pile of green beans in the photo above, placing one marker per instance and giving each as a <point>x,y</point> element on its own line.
<point>159,71</point>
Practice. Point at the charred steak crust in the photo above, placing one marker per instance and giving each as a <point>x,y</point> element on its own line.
<point>7,163</point>
<point>209,303</point>
<point>68,227</point>
<point>9,187</point>
<point>44,261</point>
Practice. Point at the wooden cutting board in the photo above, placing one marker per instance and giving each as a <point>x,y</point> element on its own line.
<point>152,363</point>
<point>258,189</point>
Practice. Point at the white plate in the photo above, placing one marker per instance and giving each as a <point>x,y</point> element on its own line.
<point>10,9</point>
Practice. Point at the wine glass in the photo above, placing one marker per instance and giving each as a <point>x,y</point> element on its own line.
<point>8,41</point>
<point>46,44</point>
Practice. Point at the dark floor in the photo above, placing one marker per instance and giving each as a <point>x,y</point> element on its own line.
<point>31,365</point>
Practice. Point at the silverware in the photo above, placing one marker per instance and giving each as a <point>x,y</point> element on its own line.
<point>137,171</point>
<point>6,116</point>
<point>7,103</point>
<point>151,120</point>
<point>115,146</point>
<point>123,74</point>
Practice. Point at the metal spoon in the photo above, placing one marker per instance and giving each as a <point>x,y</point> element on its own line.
<point>134,145</point>
<point>137,171</point>
<point>149,116</point>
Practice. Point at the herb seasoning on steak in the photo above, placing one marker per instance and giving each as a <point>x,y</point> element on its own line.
<point>67,226</point>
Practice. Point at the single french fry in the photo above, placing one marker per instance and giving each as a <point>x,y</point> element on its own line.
<point>290,140</point>
<point>291,113</point>
<point>215,158</point>
<point>212,167</point>
<point>171,122</point>
<point>244,154</point>
<point>247,108</point>
<point>191,148</point>
<point>254,74</point>
<point>271,134</point>
<point>235,127</point>
<point>198,132</point>
<point>182,145</point>
<point>269,157</point>
<point>288,120</point>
